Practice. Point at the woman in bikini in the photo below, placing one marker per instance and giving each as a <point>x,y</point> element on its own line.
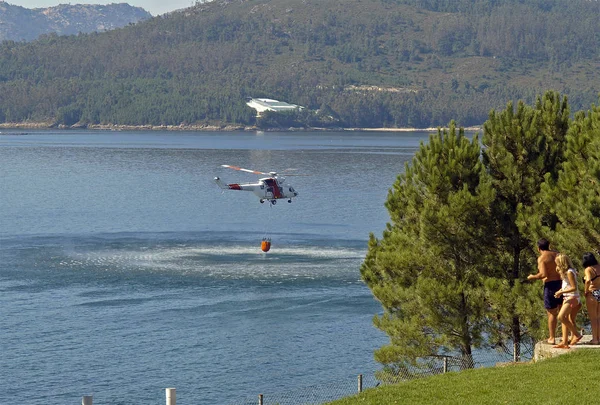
<point>571,303</point>
<point>592,294</point>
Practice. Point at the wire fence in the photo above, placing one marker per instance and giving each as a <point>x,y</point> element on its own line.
<point>327,392</point>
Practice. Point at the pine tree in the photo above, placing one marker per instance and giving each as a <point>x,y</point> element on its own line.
<point>521,147</point>
<point>574,198</point>
<point>426,270</point>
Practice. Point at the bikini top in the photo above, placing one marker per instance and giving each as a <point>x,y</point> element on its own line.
<point>597,275</point>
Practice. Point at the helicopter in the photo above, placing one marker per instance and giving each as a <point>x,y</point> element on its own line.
<point>267,189</point>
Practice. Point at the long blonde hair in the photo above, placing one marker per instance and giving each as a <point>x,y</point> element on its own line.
<point>563,264</point>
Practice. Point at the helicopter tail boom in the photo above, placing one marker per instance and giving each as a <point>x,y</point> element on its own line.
<point>227,186</point>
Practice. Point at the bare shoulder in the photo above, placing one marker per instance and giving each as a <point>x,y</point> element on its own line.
<point>547,256</point>
<point>592,269</point>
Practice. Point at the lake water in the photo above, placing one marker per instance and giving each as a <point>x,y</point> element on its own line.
<point>125,270</point>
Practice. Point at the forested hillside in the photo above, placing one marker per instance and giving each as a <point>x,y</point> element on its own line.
<point>366,63</point>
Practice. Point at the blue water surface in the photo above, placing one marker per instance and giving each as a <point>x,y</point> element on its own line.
<point>125,270</point>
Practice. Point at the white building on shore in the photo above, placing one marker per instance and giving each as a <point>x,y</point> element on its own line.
<point>266,104</point>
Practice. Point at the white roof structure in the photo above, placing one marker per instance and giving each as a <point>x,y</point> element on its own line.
<point>267,104</point>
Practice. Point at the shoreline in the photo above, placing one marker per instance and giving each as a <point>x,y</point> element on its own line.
<point>205,127</point>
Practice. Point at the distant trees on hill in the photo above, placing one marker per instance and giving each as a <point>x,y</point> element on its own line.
<point>373,64</point>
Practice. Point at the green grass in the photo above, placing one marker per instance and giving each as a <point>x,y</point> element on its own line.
<point>570,378</point>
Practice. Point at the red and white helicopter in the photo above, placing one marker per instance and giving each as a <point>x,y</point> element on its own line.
<point>267,189</point>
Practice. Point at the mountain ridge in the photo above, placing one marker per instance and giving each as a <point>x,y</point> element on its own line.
<point>22,24</point>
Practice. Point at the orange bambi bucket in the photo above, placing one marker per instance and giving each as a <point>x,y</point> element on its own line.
<point>265,245</point>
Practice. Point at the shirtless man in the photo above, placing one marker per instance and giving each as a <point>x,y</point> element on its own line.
<point>552,283</point>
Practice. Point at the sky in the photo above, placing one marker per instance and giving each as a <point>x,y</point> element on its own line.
<point>154,7</point>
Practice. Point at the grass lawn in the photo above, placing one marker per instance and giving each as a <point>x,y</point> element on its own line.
<point>572,378</point>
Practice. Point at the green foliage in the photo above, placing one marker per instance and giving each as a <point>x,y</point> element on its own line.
<point>451,268</point>
<point>521,146</point>
<point>69,115</point>
<point>375,63</point>
<point>574,198</point>
<point>425,270</point>
<point>301,118</point>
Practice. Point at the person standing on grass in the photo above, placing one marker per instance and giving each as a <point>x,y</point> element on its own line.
<point>592,294</point>
<point>552,283</point>
<point>571,302</point>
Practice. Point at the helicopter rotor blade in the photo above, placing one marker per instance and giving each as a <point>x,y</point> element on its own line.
<point>243,170</point>
<point>287,173</point>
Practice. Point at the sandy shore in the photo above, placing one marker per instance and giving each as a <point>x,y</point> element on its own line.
<point>115,127</point>
<point>477,128</point>
<point>203,127</point>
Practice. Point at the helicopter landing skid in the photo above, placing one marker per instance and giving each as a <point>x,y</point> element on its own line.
<point>273,202</point>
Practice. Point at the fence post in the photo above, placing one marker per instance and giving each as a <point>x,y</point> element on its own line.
<point>87,400</point>
<point>171,396</point>
<point>260,399</point>
<point>445,365</point>
<point>359,383</point>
